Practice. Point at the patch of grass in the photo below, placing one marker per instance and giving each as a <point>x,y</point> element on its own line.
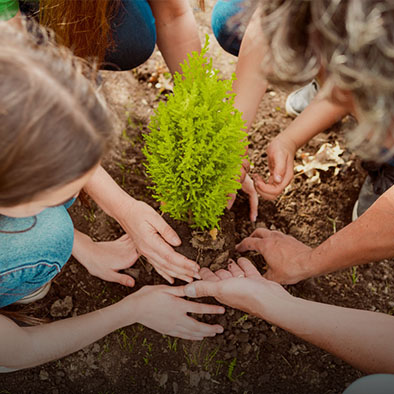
<point>91,217</point>
<point>242,319</point>
<point>231,369</point>
<point>124,341</point>
<point>148,352</point>
<point>354,275</point>
<point>104,350</point>
<point>172,344</point>
<point>202,357</point>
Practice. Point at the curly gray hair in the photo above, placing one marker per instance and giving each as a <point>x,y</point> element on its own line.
<point>353,41</point>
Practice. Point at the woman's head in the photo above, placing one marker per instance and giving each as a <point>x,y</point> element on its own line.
<point>354,41</point>
<point>53,127</point>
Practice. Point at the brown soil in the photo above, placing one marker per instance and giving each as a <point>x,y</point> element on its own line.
<point>251,356</point>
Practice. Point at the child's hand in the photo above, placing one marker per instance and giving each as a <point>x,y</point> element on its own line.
<point>153,238</point>
<point>280,153</point>
<point>106,259</point>
<point>249,189</point>
<point>161,309</point>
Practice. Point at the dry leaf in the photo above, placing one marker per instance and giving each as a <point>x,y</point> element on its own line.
<point>326,157</point>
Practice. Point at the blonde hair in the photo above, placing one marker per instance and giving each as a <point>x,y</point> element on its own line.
<point>354,41</point>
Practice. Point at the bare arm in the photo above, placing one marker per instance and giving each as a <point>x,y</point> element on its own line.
<point>369,238</point>
<point>156,307</point>
<point>318,116</point>
<point>250,84</point>
<point>363,339</point>
<point>24,347</point>
<point>176,31</point>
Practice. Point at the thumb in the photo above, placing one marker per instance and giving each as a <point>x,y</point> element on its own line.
<point>123,279</point>
<point>201,288</point>
<point>277,166</point>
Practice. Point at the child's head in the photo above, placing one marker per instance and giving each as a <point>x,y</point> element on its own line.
<point>353,41</point>
<point>53,127</point>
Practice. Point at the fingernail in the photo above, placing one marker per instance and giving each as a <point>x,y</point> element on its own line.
<point>190,290</point>
<point>254,217</point>
<point>197,276</point>
<point>277,178</point>
<point>220,330</point>
<point>175,241</point>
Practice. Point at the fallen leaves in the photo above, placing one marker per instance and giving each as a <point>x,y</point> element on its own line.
<point>327,156</point>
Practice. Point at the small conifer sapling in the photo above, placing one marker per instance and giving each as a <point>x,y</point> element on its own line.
<point>196,144</point>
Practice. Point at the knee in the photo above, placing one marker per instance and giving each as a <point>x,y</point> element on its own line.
<point>227,33</point>
<point>134,35</point>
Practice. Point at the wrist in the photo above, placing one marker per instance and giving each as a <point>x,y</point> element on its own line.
<point>127,310</point>
<point>274,305</point>
<point>124,205</point>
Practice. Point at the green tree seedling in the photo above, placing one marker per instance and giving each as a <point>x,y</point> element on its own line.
<point>196,144</point>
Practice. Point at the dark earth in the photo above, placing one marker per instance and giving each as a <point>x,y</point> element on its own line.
<point>251,356</point>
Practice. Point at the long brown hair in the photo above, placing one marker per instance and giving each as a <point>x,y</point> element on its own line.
<point>84,26</point>
<point>53,126</point>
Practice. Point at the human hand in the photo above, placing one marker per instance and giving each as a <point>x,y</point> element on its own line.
<point>105,259</point>
<point>153,237</point>
<point>161,309</point>
<point>249,189</point>
<point>288,260</point>
<point>241,287</point>
<point>280,153</point>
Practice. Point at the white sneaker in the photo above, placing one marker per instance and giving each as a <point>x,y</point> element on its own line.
<point>298,100</point>
<point>36,295</point>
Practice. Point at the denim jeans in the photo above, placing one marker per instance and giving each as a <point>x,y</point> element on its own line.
<point>134,33</point>
<point>228,32</point>
<point>29,259</point>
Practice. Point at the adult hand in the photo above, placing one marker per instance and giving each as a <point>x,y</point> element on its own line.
<point>288,260</point>
<point>153,237</point>
<point>280,153</point>
<point>241,287</point>
<point>161,309</point>
<point>249,189</point>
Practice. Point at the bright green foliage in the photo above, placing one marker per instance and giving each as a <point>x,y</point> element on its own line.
<point>195,146</point>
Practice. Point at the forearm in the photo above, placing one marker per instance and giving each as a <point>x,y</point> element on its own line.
<point>107,193</point>
<point>369,238</point>
<point>250,84</point>
<point>23,347</point>
<point>363,339</point>
<point>177,33</point>
<point>318,116</point>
